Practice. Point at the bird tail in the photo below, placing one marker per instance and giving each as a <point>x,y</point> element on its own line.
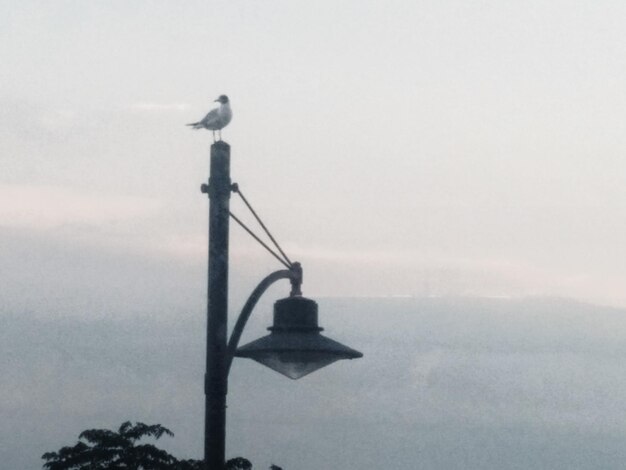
<point>195,125</point>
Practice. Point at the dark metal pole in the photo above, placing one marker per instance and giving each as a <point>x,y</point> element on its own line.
<point>215,385</point>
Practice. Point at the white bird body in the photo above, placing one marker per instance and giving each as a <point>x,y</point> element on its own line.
<point>217,118</point>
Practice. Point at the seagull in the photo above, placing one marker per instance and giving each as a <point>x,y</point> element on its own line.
<point>217,118</point>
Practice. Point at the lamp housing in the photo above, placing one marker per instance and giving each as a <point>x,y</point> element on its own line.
<point>295,346</point>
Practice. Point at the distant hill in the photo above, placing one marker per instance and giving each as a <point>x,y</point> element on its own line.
<point>445,383</point>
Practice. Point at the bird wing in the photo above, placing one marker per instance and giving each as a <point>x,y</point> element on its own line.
<point>210,118</point>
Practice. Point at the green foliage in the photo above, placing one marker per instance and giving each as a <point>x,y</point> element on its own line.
<point>100,449</point>
<point>238,463</point>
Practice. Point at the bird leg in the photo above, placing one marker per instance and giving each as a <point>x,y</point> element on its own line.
<point>213,136</point>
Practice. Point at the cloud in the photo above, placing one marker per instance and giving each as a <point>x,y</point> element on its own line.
<point>156,107</point>
<point>44,207</point>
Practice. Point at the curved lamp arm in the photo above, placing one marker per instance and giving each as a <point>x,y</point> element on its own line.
<point>294,274</point>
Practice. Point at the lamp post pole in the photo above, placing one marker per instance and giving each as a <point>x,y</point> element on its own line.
<point>215,380</point>
<point>294,347</point>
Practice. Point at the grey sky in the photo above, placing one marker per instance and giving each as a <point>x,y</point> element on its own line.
<point>473,145</point>
<point>427,148</point>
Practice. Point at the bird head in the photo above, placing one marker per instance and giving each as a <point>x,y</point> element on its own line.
<point>223,99</point>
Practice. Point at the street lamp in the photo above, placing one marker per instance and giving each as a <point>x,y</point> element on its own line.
<point>294,346</point>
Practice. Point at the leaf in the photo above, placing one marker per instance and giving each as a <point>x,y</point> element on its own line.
<point>238,463</point>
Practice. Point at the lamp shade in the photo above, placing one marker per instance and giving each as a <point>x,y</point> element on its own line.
<point>295,346</point>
